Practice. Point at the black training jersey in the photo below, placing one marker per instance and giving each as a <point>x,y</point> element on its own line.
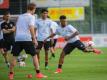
<point>9,25</point>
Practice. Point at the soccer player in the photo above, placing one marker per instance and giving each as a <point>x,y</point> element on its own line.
<point>8,29</point>
<point>43,27</point>
<point>71,36</point>
<point>25,40</point>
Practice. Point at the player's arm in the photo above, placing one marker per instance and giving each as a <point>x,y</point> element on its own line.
<point>52,35</point>
<point>72,35</point>
<point>13,29</point>
<point>32,30</point>
<point>5,31</point>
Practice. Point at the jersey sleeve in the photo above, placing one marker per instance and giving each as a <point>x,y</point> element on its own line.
<point>32,21</point>
<point>72,29</point>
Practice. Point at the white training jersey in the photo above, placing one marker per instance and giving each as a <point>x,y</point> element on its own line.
<point>1,33</point>
<point>54,27</point>
<point>43,29</point>
<point>22,27</point>
<point>67,31</point>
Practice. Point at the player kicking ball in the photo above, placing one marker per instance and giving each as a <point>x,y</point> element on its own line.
<point>71,35</point>
<point>90,45</point>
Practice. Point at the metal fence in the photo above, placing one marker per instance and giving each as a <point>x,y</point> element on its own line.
<point>99,25</point>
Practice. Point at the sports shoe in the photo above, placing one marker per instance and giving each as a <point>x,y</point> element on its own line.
<point>11,76</point>
<point>40,75</point>
<point>8,64</point>
<point>97,51</point>
<point>58,70</point>
<point>46,67</point>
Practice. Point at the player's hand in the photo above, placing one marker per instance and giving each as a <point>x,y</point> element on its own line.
<point>35,42</point>
<point>45,40</point>
<point>66,38</point>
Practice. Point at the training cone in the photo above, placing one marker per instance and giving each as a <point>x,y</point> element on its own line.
<point>29,76</point>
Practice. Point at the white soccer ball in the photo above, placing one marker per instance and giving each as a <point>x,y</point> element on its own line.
<point>25,56</point>
<point>91,43</point>
<point>22,64</point>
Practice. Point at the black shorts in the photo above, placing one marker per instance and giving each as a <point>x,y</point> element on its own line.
<point>71,46</point>
<point>41,44</point>
<point>53,42</point>
<point>8,44</point>
<point>28,46</point>
<point>1,43</point>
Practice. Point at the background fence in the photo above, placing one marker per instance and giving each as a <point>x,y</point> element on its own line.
<point>95,22</point>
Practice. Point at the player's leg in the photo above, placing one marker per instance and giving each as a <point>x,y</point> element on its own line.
<point>15,51</point>
<point>38,48</point>
<point>46,48</point>
<point>67,49</point>
<point>52,47</point>
<point>82,47</point>
<point>6,48</point>
<point>30,49</point>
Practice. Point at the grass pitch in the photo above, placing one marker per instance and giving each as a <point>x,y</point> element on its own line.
<point>77,66</point>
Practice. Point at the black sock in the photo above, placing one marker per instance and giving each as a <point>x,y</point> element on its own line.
<point>37,71</point>
<point>11,72</point>
<point>6,61</point>
<point>53,55</point>
<point>46,64</point>
<point>59,66</point>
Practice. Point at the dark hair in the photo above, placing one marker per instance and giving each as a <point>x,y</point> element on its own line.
<point>62,17</point>
<point>44,10</point>
<point>31,6</point>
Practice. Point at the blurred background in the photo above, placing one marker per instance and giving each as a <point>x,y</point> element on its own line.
<point>88,16</point>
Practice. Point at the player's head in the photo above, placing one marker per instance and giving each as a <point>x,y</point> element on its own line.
<point>6,16</point>
<point>63,20</point>
<point>44,13</point>
<point>31,8</point>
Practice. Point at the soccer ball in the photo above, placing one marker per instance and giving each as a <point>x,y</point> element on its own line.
<point>22,64</point>
<point>25,56</point>
<point>91,43</point>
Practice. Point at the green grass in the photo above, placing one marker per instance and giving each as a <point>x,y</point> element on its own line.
<point>77,66</point>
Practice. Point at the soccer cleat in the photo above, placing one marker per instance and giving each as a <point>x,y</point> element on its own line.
<point>96,51</point>
<point>8,64</point>
<point>11,76</point>
<point>40,75</point>
<point>46,67</point>
<point>58,70</point>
